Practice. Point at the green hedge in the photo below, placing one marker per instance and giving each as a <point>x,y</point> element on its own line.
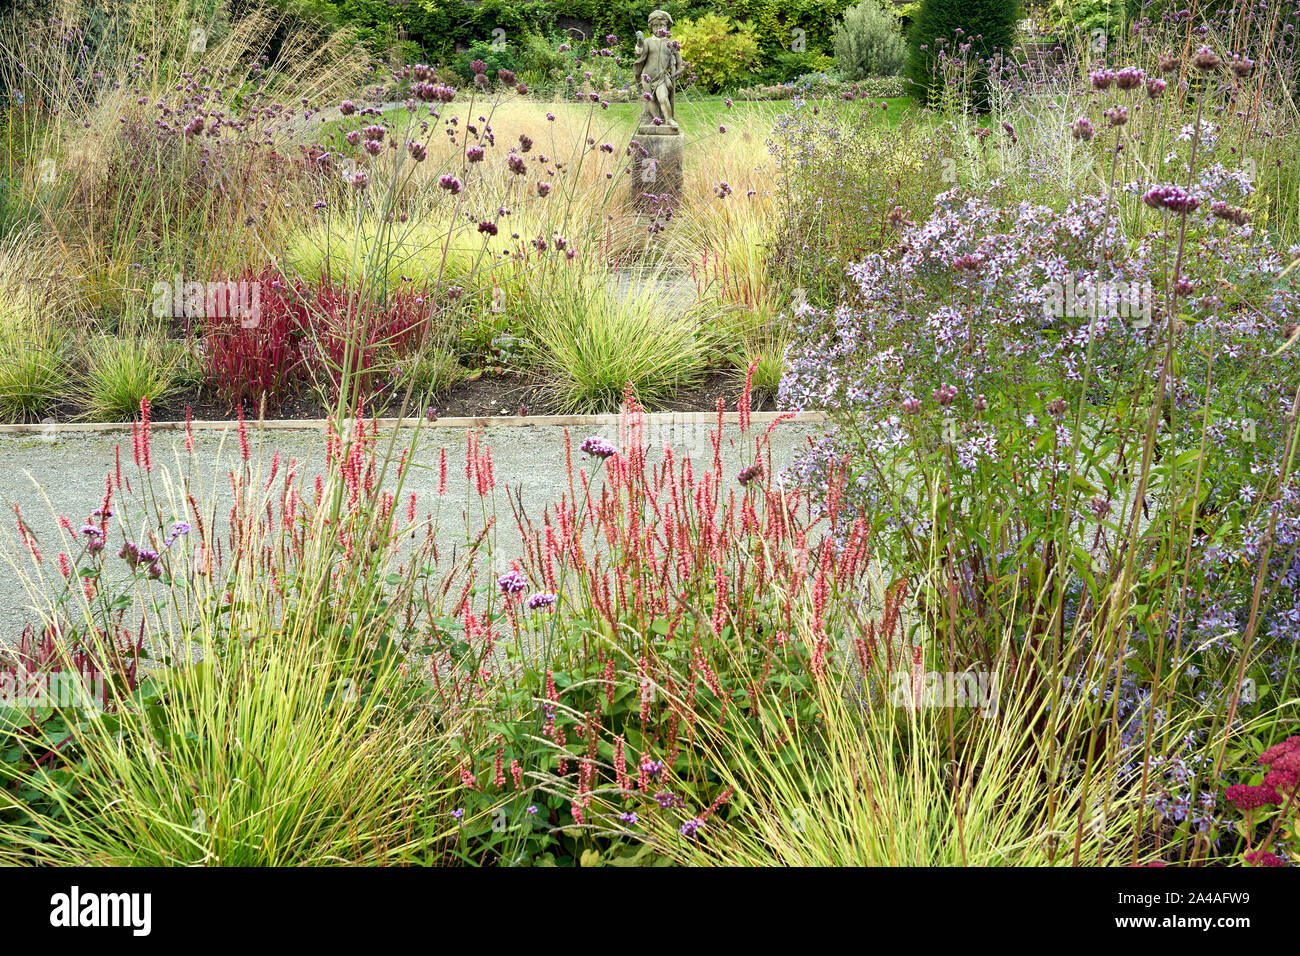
<point>437,27</point>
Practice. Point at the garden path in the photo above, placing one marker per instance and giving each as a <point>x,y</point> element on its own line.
<point>61,471</point>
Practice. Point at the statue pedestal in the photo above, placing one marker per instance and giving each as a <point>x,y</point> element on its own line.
<point>656,165</point>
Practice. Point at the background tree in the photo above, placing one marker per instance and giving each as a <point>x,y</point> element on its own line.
<point>947,26</point>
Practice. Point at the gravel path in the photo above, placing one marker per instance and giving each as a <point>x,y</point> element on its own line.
<point>60,471</point>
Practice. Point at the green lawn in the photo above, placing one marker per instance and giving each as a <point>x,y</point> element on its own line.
<point>699,117</point>
<point>705,115</point>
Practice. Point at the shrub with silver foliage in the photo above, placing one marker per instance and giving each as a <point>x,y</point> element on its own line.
<point>868,42</point>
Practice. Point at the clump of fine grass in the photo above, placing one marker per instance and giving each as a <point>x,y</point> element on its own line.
<point>35,334</point>
<point>125,190</point>
<point>272,760</point>
<point>34,374</point>
<point>429,371</point>
<point>281,733</point>
<point>872,783</point>
<point>120,372</point>
<point>590,341</point>
<point>764,352</point>
<point>755,337</point>
<point>728,243</point>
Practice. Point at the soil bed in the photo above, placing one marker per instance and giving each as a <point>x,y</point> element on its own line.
<point>492,393</point>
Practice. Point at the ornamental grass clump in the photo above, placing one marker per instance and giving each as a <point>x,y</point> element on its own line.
<point>35,374</point>
<point>122,372</point>
<point>261,650</point>
<point>156,148</point>
<point>37,327</point>
<point>589,340</point>
<point>906,763</point>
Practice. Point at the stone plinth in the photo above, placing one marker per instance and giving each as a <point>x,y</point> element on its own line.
<point>656,164</point>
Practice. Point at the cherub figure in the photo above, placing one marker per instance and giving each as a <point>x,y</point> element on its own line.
<point>658,64</point>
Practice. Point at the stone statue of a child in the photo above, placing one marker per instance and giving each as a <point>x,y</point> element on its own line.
<point>658,64</point>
